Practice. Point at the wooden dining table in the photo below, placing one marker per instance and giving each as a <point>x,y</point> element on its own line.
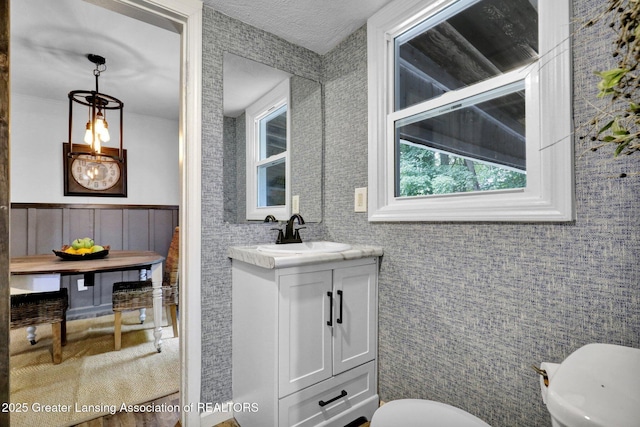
<point>114,261</point>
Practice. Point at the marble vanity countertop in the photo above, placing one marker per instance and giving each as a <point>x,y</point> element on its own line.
<point>251,255</point>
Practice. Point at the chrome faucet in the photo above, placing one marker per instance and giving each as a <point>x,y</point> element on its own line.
<point>291,235</point>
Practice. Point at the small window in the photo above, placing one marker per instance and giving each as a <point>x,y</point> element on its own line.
<point>473,145</point>
<point>465,121</point>
<point>268,155</point>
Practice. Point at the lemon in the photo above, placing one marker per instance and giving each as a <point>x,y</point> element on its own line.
<point>83,251</point>
<point>70,250</point>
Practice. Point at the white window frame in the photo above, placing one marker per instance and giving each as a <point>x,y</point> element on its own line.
<point>274,99</point>
<point>549,194</point>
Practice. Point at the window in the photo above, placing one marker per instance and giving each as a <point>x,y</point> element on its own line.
<point>268,155</point>
<point>470,111</point>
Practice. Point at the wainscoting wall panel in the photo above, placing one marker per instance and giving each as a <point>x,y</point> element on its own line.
<point>39,228</point>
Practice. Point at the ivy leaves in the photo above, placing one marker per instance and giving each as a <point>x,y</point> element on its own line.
<point>621,84</point>
<point>610,80</point>
<point>618,135</point>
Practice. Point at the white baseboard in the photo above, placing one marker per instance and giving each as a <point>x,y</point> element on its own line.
<point>217,415</point>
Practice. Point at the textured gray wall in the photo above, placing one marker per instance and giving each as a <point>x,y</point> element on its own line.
<point>229,135</point>
<point>465,308</point>
<point>307,146</point>
<point>223,34</point>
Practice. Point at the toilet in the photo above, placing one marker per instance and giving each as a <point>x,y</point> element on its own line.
<point>597,385</point>
<point>423,413</point>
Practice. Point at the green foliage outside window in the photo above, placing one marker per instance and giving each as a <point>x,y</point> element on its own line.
<point>424,172</point>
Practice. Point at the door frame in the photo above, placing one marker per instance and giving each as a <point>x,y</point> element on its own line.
<point>185,18</point>
<point>188,15</point>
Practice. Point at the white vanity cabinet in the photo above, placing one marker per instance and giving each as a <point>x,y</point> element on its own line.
<point>304,343</point>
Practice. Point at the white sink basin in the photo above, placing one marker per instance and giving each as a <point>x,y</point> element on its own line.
<point>305,248</point>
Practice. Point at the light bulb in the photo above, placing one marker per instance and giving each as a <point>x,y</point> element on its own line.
<point>104,133</point>
<point>88,135</point>
<point>99,123</point>
<point>102,127</point>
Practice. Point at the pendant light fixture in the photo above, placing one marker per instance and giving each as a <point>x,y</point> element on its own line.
<point>96,129</point>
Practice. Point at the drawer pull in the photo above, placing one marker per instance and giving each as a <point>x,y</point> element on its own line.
<point>330,321</point>
<point>341,395</point>
<point>339,319</point>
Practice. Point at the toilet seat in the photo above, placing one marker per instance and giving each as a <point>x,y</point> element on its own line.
<point>423,413</point>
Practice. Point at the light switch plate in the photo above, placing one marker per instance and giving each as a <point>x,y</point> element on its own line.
<point>360,202</point>
<point>295,204</point>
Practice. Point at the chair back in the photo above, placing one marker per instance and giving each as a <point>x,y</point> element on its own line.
<point>172,262</point>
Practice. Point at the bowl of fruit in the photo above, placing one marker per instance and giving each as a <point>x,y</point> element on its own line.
<point>82,249</point>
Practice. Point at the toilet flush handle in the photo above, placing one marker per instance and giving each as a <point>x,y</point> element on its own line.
<point>542,372</point>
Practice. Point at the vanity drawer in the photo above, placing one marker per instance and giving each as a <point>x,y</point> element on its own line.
<point>318,403</point>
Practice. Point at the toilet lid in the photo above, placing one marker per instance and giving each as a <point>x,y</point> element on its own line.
<point>423,413</point>
<point>597,386</point>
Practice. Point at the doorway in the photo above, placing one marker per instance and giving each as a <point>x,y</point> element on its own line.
<point>184,18</point>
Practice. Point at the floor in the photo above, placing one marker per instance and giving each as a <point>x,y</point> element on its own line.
<point>126,419</point>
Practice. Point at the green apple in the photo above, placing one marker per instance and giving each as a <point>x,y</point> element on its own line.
<point>97,248</point>
<point>77,244</point>
<point>87,242</point>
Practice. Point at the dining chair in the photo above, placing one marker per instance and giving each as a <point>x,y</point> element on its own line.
<point>138,294</point>
<point>43,307</point>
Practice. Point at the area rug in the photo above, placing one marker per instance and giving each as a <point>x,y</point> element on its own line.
<point>93,380</point>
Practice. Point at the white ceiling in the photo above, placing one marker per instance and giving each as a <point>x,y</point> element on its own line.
<point>318,25</point>
<point>50,41</point>
<point>51,38</point>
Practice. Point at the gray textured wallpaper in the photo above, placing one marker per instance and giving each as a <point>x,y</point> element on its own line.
<point>465,308</point>
<point>222,34</point>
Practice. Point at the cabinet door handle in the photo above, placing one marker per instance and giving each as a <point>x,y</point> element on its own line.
<point>339,319</point>
<point>341,395</point>
<point>330,321</point>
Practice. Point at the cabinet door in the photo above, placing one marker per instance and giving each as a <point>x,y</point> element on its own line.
<point>355,316</point>
<point>304,327</point>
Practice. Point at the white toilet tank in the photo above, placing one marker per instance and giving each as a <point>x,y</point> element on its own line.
<point>598,385</point>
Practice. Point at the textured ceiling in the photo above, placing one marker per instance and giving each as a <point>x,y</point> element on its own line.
<point>318,25</point>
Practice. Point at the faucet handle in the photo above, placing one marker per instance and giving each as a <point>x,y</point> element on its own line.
<point>280,237</point>
<point>296,233</point>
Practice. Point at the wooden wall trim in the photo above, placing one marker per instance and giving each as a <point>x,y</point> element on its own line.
<point>39,228</point>
<point>88,206</point>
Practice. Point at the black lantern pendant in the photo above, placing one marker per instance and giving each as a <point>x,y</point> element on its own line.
<point>97,127</point>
